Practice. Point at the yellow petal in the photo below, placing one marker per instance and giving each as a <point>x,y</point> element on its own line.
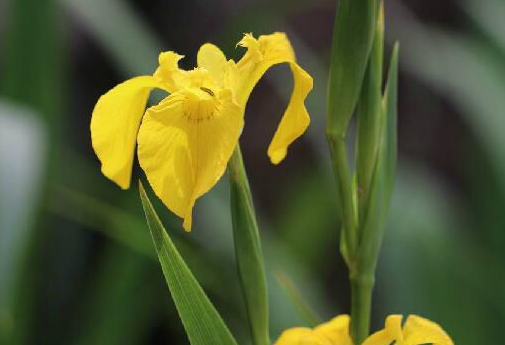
<point>296,118</point>
<point>261,54</point>
<point>418,330</point>
<point>184,144</point>
<point>302,336</point>
<point>392,332</point>
<point>168,73</point>
<point>394,326</point>
<point>213,60</point>
<point>114,125</point>
<point>336,330</point>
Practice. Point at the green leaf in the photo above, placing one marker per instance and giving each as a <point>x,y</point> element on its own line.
<point>390,101</point>
<point>251,266</point>
<point>202,322</point>
<point>353,35</point>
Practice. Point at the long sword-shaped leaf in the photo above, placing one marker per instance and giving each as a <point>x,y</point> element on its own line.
<point>390,100</point>
<point>251,266</point>
<point>202,322</point>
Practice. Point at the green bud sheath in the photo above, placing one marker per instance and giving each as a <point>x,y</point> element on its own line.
<point>353,35</point>
<point>369,112</point>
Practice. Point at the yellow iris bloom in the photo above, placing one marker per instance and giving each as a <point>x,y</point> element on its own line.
<point>185,142</point>
<point>415,331</point>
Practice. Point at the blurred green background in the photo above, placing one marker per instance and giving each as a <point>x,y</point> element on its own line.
<point>76,262</point>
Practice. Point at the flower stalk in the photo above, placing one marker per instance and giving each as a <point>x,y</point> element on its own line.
<point>356,66</point>
<point>340,161</point>
<point>361,305</point>
<point>353,35</point>
<point>370,118</point>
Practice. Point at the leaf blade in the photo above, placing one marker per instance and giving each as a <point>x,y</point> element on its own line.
<point>249,255</point>
<point>390,100</point>
<point>202,322</point>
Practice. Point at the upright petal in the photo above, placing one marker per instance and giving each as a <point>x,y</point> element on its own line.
<point>418,330</point>
<point>261,54</point>
<point>184,144</point>
<point>302,336</point>
<point>114,125</point>
<point>336,330</point>
<point>213,60</point>
<point>392,332</point>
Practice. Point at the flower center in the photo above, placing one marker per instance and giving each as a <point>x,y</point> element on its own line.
<point>199,104</point>
<point>198,95</point>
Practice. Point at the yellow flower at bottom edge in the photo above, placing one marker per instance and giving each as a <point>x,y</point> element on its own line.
<point>185,142</point>
<point>415,331</point>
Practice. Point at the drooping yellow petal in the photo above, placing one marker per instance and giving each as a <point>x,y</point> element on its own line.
<point>418,330</point>
<point>114,125</point>
<point>392,332</point>
<point>266,51</point>
<point>213,60</point>
<point>302,336</point>
<point>184,144</point>
<point>336,330</point>
<point>296,118</point>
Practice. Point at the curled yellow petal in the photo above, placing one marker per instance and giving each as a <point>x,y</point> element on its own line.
<point>418,330</point>
<point>392,332</point>
<point>168,73</point>
<point>302,336</point>
<point>336,330</point>
<point>114,125</point>
<point>184,144</point>
<point>262,53</point>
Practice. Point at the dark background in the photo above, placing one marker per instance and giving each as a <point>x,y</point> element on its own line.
<point>76,262</point>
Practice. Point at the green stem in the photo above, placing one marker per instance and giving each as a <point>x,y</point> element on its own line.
<point>361,305</point>
<point>251,266</point>
<point>368,144</point>
<point>343,181</point>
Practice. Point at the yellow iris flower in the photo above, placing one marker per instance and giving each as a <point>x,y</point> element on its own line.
<point>185,142</point>
<point>415,331</point>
